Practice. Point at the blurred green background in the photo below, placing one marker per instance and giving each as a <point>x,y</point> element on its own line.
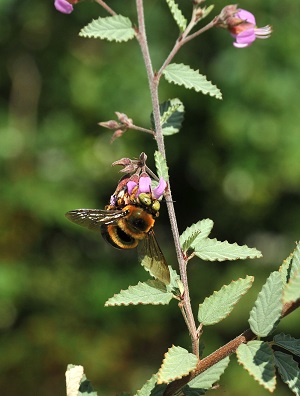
<point>236,161</point>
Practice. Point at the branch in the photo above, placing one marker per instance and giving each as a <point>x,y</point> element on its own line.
<point>222,352</point>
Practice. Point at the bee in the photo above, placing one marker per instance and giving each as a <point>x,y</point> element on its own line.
<point>128,223</point>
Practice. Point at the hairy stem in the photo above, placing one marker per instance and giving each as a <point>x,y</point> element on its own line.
<point>153,84</point>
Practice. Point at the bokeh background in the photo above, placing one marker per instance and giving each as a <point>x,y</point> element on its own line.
<point>236,161</point>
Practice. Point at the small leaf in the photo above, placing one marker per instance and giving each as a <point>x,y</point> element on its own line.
<point>258,359</point>
<point>288,342</point>
<point>210,376</point>
<point>113,28</point>
<point>76,382</point>
<point>288,370</point>
<point>218,306</point>
<point>214,250</point>
<point>291,265</point>
<point>151,388</point>
<point>291,291</point>
<point>177,15</point>
<point>151,292</point>
<point>265,314</point>
<point>161,166</point>
<point>181,74</point>
<point>195,233</point>
<point>171,116</point>
<point>177,363</point>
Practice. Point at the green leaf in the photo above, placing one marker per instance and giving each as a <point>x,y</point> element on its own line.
<point>151,388</point>
<point>113,28</point>
<point>291,291</point>
<point>161,166</point>
<point>288,342</point>
<point>265,314</point>
<point>151,292</point>
<point>177,363</point>
<point>76,382</point>
<point>171,116</point>
<point>218,306</point>
<point>214,250</point>
<point>177,15</point>
<point>210,376</point>
<point>181,74</point>
<point>291,265</point>
<point>258,359</point>
<point>195,233</point>
<point>288,370</point>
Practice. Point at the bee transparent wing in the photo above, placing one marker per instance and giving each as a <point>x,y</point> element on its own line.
<point>153,259</point>
<point>94,218</point>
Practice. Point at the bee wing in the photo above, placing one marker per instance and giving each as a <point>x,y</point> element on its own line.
<point>153,259</point>
<point>94,218</point>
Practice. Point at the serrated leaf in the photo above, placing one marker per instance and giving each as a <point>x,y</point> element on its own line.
<point>151,292</point>
<point>214,250</point>
<point>177,15</point>
<point>288,370</point>
<point>195,233</point>
<point>76,382</point>
<point>288,342</point>
<point>177,363</point>
<point>181,74</point>
<point>171,116</point>
<point>218,306</point>
<point>265,314</point>
<point>258,359</point>
<point>291,265</point>
<point>291,290</point>
<point>151,388</point>
<point>113,28</point>
<point>161,166</point>
<point>210,376</point>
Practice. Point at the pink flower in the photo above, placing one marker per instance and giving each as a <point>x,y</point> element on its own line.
<point>160,189</point>
<point>65,6</point>
<point>144,185</point>
<point>242,26</point>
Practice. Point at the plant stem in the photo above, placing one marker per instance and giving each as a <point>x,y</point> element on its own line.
<point>106,7</point>
<point>153,81</point>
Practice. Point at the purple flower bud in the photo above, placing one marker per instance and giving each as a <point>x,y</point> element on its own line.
<point>159,190</point>
<point>63,6</point>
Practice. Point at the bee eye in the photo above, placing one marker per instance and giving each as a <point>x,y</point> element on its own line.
<point>145,199</point>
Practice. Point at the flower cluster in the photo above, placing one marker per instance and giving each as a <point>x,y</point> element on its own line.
<point>242,26</point>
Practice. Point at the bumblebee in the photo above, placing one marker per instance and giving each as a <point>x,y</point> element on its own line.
<point>128,223</point>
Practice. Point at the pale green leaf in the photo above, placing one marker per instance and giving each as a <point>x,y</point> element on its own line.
<point>207,10</point>
<point>195,233</point>
<point>291,291</point>
<point>171,116</point>
<point>161,166</point>
<point>258,359</point>
<point>151,388</point>
<point>288,370</point>
<point>265,314</point>
<point>291,265</point>
<point>177,363</point>
<point>218,306</point>
<point>181,74</point>
<point>113,28</point>
<point>214,250</point>
<point>288,342</point>
<point>210,376</point>
<point>76,382</point>
<point>177,15</point>
<point>151,292</point>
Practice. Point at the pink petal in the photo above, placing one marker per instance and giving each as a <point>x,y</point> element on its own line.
<point>144,184</point>
<point>63,6</point>
<point>159,190</point>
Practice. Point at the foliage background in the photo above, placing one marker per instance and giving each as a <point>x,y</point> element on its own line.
<point>236,161</point>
